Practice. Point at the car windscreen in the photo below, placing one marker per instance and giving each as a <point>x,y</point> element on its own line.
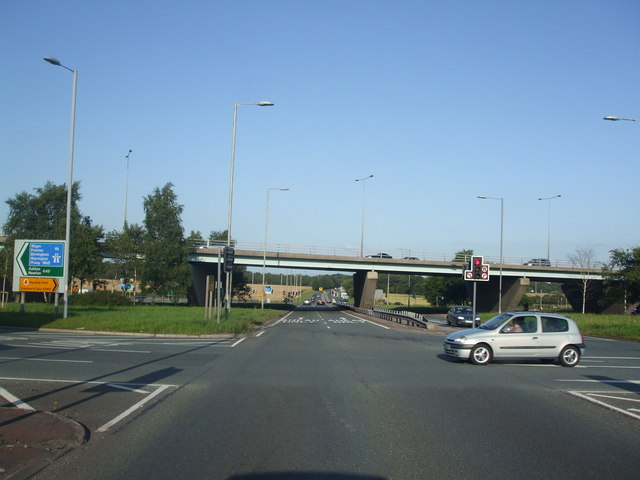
<point>496,321</point>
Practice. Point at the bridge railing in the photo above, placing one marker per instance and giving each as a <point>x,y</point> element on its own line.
<point>399,254</point>
<point>408,318</point>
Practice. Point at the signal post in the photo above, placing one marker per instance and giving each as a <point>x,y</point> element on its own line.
<point>478,272</point>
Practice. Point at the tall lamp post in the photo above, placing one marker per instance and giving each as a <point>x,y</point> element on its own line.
<point>549,224</point>
<point>264,250</point>
<point>484,197</point>
<point>230,209</point>
<point>126,189</point>
<point>615,119</point>
<point>67,231</point>
<point>363,180</point>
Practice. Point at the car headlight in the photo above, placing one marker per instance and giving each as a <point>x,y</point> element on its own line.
<point>460,318</point>
<point>459,340</point>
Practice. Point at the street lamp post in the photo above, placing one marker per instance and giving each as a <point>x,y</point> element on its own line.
<point>549,224</point>
<point>363,180</point>
<point>67,231</point>
<point>484,197</point>
<point>126,189</point>
<point>230,208</point>
<point>264,250</point>
<point>615,118</point>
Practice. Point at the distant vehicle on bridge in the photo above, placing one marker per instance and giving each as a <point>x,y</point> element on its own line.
<point>380,255</point>
<point>538,262</point>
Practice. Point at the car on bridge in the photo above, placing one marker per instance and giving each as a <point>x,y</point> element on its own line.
<point>380,255</point>
<point>538,262</point>
<point>546,336</point>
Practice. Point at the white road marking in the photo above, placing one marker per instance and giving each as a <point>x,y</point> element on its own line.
<point>589,396</point>
<point>613,358</point>
<point>14,400</point>
<point>129,411</point>
<point>82,347</point>
<point>45,360</point>
<point>123,387</point>
<point>635,382</point>
<point>238,342</point>
<point>369,321</point>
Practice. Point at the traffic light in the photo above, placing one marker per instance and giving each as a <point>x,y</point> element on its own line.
<point>228,259</point>
<point>476,267</point>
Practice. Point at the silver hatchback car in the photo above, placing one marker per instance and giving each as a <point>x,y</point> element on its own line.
<point>519,335</point>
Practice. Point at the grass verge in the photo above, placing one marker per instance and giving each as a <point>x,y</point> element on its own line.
<point>178,320</point>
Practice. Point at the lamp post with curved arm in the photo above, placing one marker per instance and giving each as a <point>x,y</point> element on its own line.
<point>126,189</point>
<point>549,224</point>
<point>228,276</point>
<point>363,180</point>
<point>264,250</point>
<point>615,118</point>
<point>67,231</point>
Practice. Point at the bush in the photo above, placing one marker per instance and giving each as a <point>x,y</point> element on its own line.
<point>100,298</point>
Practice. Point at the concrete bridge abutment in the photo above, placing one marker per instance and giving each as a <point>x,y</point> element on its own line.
<point>364,288</point>
<point>487,293</point>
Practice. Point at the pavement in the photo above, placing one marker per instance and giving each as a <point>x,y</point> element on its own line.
<point>30,440</point>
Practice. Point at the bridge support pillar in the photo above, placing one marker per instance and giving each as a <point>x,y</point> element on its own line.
<point>512,290</point>
<point>364,288</point>
<point>199,274</point>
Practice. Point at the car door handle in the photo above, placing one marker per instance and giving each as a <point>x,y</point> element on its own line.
<point>534,338</point>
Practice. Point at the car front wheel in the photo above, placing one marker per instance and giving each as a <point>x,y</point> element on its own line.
<point>480,354</point>
<point>570,356</point>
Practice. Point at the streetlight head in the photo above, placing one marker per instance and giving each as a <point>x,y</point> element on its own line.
<point>284,189</point>
<point>482,197</point>
<point>608,117</point>
<point>52,61</point>
<point>265,103</point>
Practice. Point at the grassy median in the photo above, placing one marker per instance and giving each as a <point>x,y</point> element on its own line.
<point>151,319</point>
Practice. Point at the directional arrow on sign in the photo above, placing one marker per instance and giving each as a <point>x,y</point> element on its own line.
<point>33,284</point>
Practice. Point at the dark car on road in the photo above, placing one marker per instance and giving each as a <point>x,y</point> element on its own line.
<point>538,262</point>
<point>461,315</point>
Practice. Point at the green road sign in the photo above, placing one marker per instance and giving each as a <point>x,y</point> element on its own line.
<point>35,258</point>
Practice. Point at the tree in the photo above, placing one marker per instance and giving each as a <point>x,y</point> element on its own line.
<point>463,256</point>
<point>583,259</point>
<point>622,275</point>
<point>165,267</point>
<point>87,258</point>
<point>453,290</point>
<point>126,251</point>
<point>42,216</point>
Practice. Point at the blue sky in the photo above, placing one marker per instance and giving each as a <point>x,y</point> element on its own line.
<point>440,100</point>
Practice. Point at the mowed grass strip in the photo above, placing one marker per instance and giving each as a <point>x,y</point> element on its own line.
<point>176,320</point>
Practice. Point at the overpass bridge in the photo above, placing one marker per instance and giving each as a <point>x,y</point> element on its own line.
<point>515,277</point>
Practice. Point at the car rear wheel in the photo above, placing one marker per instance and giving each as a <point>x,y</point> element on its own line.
<point>570,356</point>
<point>480,354</point>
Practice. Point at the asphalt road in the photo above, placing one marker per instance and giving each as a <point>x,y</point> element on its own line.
<point>324,394</point>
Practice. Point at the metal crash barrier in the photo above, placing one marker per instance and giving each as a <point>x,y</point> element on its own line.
<point>408,318</point>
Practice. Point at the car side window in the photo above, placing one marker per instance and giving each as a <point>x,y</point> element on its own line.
<point>526,324</point>
<point>553,324</point>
